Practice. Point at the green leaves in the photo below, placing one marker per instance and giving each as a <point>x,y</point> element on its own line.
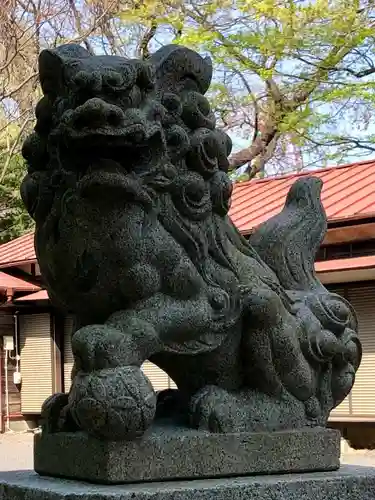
<point>14,220</point>
<point>313,53</point>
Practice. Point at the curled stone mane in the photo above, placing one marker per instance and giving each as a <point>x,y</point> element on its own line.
<point>200,194</point>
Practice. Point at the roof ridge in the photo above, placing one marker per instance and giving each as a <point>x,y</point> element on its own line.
<point>305,172</point>
<point>348,194</point>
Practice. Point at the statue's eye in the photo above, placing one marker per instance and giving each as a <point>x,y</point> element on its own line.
<point>195,191</point>
<point>113,79</point>
<point>88,81</point>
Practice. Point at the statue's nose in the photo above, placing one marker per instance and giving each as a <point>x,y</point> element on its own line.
<point>97,113</point>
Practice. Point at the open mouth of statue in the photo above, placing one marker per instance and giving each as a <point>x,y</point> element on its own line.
<point>126,136</point>
<point>132,147</point>
<point>98,184</point>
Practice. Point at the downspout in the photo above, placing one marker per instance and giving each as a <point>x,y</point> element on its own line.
<point>18,357</point>
<point>7,413</point>
<point>17,372</point>
<point>1,388</point>
<point>10,293</point>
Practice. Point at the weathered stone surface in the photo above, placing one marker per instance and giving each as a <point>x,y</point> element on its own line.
<point>129,188</point>
<point>349,483</point>
<point>165,453</point>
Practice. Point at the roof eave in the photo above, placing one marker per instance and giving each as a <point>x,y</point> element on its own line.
<point>338,220</point>
<point>4,265</point>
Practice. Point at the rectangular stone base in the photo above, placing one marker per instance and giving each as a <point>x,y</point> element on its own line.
<point>349,483</point>
<point>167,453</point>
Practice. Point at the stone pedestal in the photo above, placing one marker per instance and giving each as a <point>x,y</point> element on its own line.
<point>167,453</point>
<point>348,483</point>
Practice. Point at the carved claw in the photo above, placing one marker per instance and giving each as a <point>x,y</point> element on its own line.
<point>97,347</point>
<point>206,412</point>
<point>261,303</point>
<point>56,415</point>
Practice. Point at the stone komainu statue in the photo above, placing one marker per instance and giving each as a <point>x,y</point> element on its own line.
<point>127,182</point>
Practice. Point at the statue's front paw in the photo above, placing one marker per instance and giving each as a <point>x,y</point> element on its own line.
<point>123,341</point>
<point>97,347</point>
<point>113,404</point>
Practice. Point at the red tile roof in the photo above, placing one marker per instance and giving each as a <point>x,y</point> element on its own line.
<point>41,295</point>
<point>348,193</point>
<point>7,281</point>
<point>18,251</point>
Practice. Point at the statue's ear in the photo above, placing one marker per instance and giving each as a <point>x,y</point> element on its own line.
<point>51,67</point>
<point>178,68</point>
<point>51,73</point>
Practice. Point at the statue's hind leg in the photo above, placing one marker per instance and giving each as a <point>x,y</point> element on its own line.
<point>277,380</point>
<point>217,410</point>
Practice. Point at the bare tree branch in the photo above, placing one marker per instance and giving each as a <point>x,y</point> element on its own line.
<point>12,151</point>
<point>19,86</point>
<point>146,39</point>
<point>78,25</point>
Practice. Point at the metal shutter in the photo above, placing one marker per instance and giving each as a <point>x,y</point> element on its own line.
<point>363,393</point>
<point>172,385</point>
<point>36,361</point>
<point>342,409</point>
<point>68,354</point>
<point>158,378</point>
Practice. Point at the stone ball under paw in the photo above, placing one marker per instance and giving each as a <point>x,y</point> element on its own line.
<point>113,404</point>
